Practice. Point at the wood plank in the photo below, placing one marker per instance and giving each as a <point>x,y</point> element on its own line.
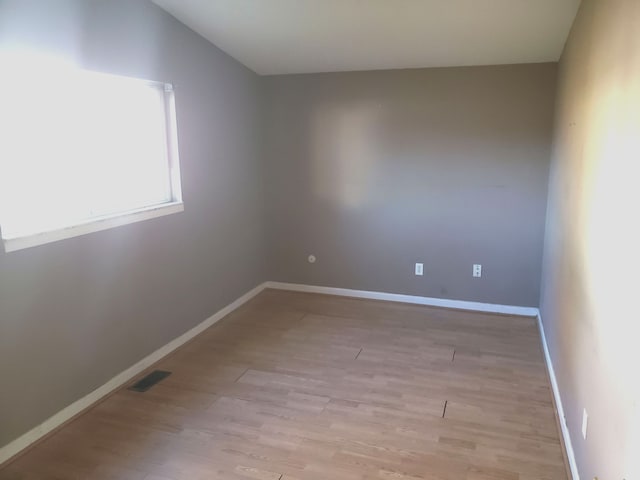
<point>296,386</point>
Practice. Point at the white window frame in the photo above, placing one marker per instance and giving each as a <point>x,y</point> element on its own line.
<point>99,223</point>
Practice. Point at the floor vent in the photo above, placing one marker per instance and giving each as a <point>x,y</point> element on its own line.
<point>149,381</point>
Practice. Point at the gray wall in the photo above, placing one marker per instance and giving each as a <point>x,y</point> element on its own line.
<point>77,312</point>
<point>374,171</point>
<point>592,254</point>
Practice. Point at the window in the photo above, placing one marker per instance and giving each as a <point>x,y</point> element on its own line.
<point>83,151</point>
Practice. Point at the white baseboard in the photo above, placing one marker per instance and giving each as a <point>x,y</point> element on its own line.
<point>32,436</point>
<point>573,466</point>
<point>397,297</point>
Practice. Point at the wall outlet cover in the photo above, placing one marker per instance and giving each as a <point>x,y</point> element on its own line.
<point>477,270</point>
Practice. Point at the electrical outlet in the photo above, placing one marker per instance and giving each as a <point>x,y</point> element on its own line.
<point>477,271</point>
<point>585,422</point>
<point>419,269</point>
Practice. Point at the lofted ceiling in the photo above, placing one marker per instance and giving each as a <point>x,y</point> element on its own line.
<point>303,36</point>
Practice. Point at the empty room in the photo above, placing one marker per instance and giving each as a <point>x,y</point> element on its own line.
<point>319,239</point>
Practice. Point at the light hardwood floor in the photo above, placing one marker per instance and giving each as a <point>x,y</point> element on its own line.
<point>296,386</point>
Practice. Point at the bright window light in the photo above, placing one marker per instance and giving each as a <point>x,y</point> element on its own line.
<point>78,147</point>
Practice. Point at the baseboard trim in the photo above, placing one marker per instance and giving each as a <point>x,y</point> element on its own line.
<point>17,446</point>
<point>566,437</point>
<point>397,297</point>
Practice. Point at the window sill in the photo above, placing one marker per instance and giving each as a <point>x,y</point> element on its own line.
<point>95,225</point>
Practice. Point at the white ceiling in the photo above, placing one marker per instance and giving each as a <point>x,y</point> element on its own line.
<point>302,36</point>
